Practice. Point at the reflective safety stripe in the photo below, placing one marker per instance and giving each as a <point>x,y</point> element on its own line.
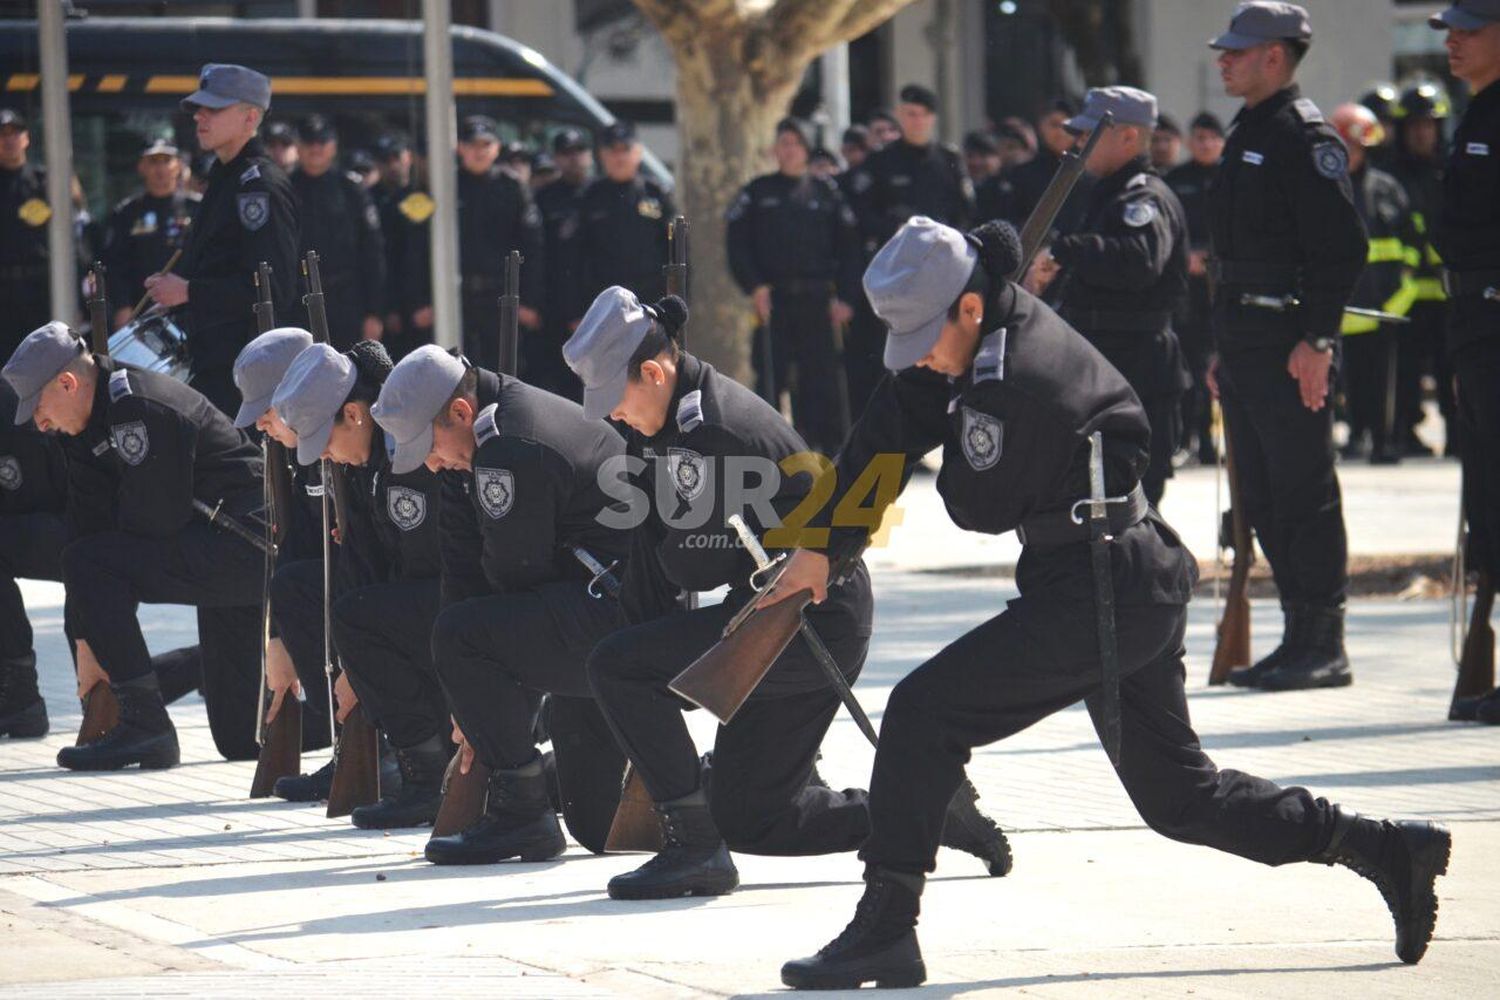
<point>1386,249</point>
<point>1430,290</point>
<point>1399,304</point>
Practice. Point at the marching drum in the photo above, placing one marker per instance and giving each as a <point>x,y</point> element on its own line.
<point>153,343</point>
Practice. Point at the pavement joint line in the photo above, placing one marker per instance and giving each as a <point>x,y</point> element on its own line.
<point>142,923</point>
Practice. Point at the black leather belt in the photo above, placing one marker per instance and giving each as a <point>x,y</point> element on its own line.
<point>1252,272</point>
<point>1457,283</point>
<point>1118,320</point>
<point>1048,531</point>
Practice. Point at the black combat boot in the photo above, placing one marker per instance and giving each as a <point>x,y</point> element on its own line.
<point>416,804</point>
<point>23,712</point>
<point>1467,709</point>
<point>694,861</point>
<point>879,945</point>
<point>144,735</point>
<point>312,787</point>
<point>971,831</point>
<point>519,821</point>
<point>1488,709</point>
<point>1291,635</point>
<point>1318,660</point>
<point>1404,859</point>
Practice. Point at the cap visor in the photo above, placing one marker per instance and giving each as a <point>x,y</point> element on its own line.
<point>601,402</point>
<point>906,349</point>
<point>1453,17</point>
<point>1234,41</point>
<point>310,445</point>
<point>409,455</point>
<point>251,409</point>
<point>202,98</point>
<point>1079,124</point>
<point>26,409</point>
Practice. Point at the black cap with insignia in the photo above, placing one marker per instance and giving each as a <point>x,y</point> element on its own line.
<point>617,133</point>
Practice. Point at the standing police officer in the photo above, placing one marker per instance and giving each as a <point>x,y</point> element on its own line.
<point>338,220</point>
<point>559,202</point>
<point>141,449</point>
<point>1467,234</point>
<point>794,248</point>
<point>495,216</point>
<point>975,356</point>
<point>623,220</point>
<point>1121,274</point>
<point>248,215</point>
<point>23,234</point>
<point>1288,248</point>
<point>145,229</point>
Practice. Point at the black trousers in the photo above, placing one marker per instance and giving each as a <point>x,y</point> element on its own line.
<point>108,575</point>
<point>497,655</point>
<point>1283,453</point>
<point>297,619</point>
<point>759,797</point>
<point>1194,334</point>
<point>1164,414</point>
<point>1369,390</point>
<point>1423,350</point>
<point>384,637</point>
<point>30,548</point>
<point>805,361</point>
<point>1478,368</point>
<point>481,337</point>
<point>1035,659</point>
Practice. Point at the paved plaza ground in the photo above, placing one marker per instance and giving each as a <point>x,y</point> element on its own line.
<point>172,883</point>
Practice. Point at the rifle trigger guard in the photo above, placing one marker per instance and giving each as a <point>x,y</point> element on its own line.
<point>757,580</point>
<point>593,587</point>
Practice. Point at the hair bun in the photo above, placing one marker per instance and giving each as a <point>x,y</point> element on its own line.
<point>673,312</point>
<point>371,360</point>
<point>999,248</point>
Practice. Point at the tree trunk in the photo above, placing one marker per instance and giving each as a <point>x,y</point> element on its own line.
<point>725,122</point>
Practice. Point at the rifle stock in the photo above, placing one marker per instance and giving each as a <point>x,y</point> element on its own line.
<point>101,713</point>
<point>1476,667</point>
<point>636,826</point>
<point>1233,647</point>
<point>463,797</point>
<point>356,777</point>
<point>280,748</point>
<point>723,678</point>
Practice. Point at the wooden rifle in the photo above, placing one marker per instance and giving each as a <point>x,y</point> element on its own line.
<point>675,278</point>
<point>1038,227</point>
<point>464,794</point>
<point>1476,644</point>
<point>281,739</point>
<point>1233,647</point>
<point>356,753</point>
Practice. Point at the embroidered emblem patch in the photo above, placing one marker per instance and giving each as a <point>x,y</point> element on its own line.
<point>34,212</point>
<point>407,507</point>
<point>417,206</point>
<point>497,491</point>
<point>983,439</point>
<point>1331,160</point>
<point>10,473</point>
<point>255,209</point>
<point>689,474</point>
<point>1139,213</point>
<point>131,441</point>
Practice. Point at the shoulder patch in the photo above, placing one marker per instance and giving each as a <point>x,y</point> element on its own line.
<point>983,439</point>
<point>737,209</point>
<point>417,206</point>
<point>688,471</point>
<point>131,441</point>
<point>1331,159</point>
<point>496,489</point>
<point>690,411</point>
<point>1139,213</point>
<point>250,174</point>
<point>989,363</point>
<point>485,427</point>
<point>255,209</point>
<point>119,384</point>
<point>1307,111</point>
<point>10,473</point>
<point>407,507</point>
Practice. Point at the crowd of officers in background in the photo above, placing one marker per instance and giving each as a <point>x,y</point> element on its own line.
<point>585,217</point>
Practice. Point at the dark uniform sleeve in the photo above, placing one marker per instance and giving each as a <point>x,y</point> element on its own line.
<point>905,416</point>
<point>463,572</point>
<point>370,254</point>
<point>646,593</point>
<point>740,237</point>
<point>1131,249</point>
<point>155,495</point>
<point>520,531</point>
<point>274,239</point>
<point>1331,235</point>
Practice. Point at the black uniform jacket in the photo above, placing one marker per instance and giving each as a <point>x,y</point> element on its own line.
<point>393,531</point>
<point>1125,271</point>
<point>1014,430</point>
<point>23,225</point>
<point>533,494</point>
<point>1282,222</point>
<point>495,216</point>
<point>248,215</point>
<point>559,203</point>
<point>712,419</point>
<point>1013,193</point>
<point>151,446</point>
<point>795,233</point>
<point>142,234</point>
<point>33,474</point>
<point>1468,232</point>
<point>622,239</point>
<point>903,180</point>
<point>337,218</point>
